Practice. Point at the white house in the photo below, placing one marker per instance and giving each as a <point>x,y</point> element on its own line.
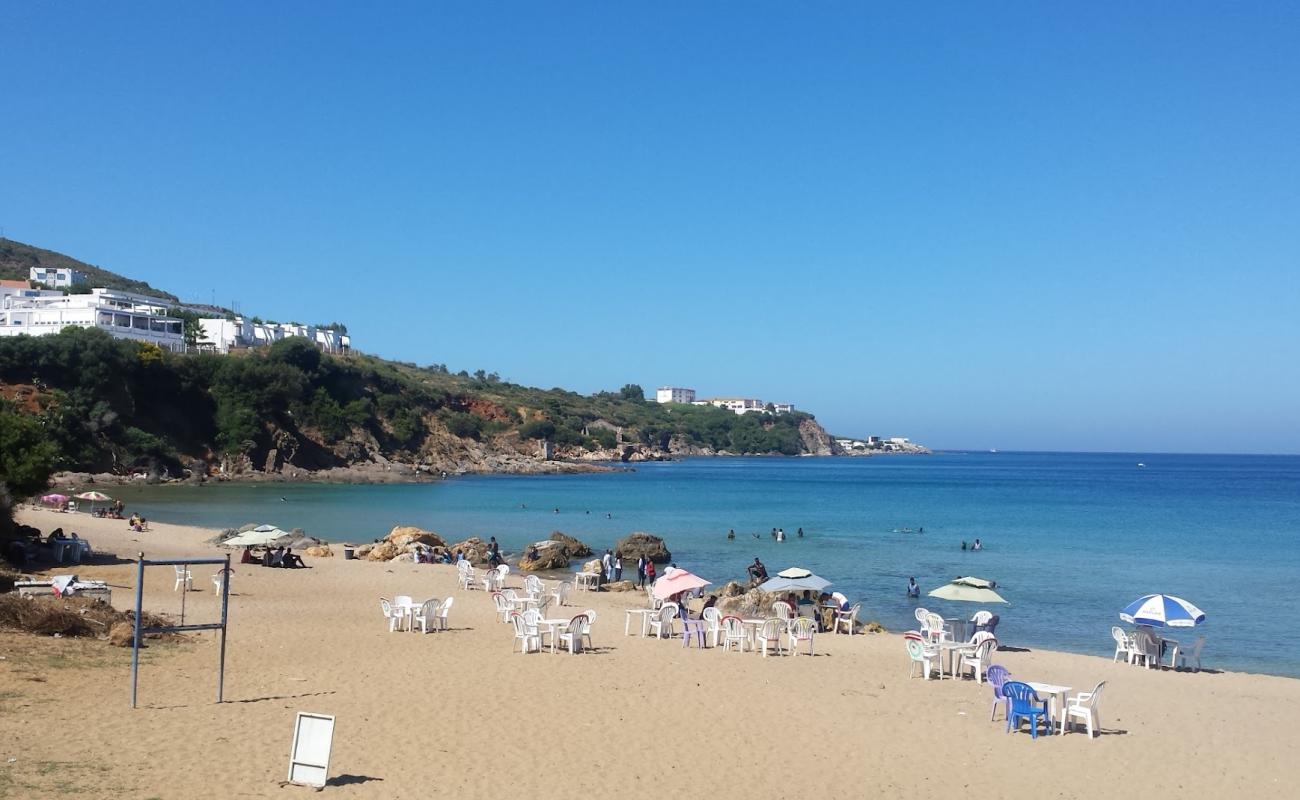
<point>64,278</point>
<point>740,405</point>
<point>674,394</point>
<point>124,315</point>
<point>783,408</point>
<point>224,335</point>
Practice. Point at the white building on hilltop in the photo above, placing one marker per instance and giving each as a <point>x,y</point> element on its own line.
<point>674,394</point>
<point>64,278</point>
<point>740,405</point>
<point>224,335</point>
<point>124,315</point>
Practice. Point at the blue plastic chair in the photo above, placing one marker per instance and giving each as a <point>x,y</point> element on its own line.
<point>1025,705</point>
<point>998,675</point>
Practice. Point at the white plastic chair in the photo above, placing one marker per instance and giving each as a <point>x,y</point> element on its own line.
<point>782,611</point>
<point>1084,706</point>
<point>934,627</point>
<point>533,586</point>
<point>218,578</point>
<point>1146,647</point>
<point>661,625</point>
<point>503,570</point>
<point>561,593</point>
<point>976,657</point>
<point>427,614</point>
<point>590,614</point>
<point>848,619</point>
<point>769,635</point>
<point>528,640</point>
<point>502,606</point>
<point>733,633</point>
<point>922,652</point>
<point>713,618</point>
<point>391,614</point>
<point>921,614</point>
<point>801,630</point>
<point>1123,644</point>
<point>183,578</point>
<point>443,609</point>
<point>578,629</point>
<point>1183,657</point>
<point>491,581</point>
<point>465,576</point>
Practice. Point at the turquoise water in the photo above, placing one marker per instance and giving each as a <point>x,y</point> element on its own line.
<point>1070,538</point>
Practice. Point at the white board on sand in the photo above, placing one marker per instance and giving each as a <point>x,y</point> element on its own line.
<point>313,737</point>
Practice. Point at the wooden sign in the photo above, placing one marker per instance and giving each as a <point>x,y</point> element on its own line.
<point>313,738</point>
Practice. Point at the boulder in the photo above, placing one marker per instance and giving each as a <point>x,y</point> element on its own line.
<point>874,627</point>
<point>730,589</point>
<point>318,551</point>
<point>550,555</point>
<point>753,603</point>
<point>384,551</point>
<point>620,586</point>
<point>575,548</point>
<point>593,565</point>
<point>363,550</point>
<point>402,535</point>
<point>474,548</point>
<point>638,544</point>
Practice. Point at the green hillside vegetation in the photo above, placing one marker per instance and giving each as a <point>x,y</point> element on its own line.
<point>81,400</point>
<point>17,259</point>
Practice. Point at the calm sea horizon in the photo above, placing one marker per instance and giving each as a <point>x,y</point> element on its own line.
<point>1070,538</point>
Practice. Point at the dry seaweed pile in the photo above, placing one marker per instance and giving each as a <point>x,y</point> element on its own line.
<point>71,616</point>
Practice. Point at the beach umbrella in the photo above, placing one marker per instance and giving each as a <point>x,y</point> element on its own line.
<point>794,579</point>
<point>969,590</point>
<point>94,497</point>
<point>261,536</point>
<point>1161,610</point>
<point>54,499</point>
<point>675,581</point>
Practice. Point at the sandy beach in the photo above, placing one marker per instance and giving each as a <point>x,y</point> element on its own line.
<point>457,714</point>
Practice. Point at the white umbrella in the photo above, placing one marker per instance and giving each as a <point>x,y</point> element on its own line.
<point>1162,610</point>
<point>968,590</point>
<point>794,579</point>
<point>260,536</point>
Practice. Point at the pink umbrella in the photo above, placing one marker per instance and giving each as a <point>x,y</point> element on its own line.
<point>675,581</point>
<point>54,499</point>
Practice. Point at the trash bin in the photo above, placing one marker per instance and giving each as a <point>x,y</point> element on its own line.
<point>348,552</point>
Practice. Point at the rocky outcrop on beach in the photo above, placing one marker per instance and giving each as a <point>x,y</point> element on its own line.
<point>619,586</point>
<point>593,565</point>
<point>574,547</point>
<point>474,549</point>
<point>384,551</point>
<point>404,535</point>
<point>736,598</point>
<point>544,555</point>
<point>318,551</point>
<point>638,544</point>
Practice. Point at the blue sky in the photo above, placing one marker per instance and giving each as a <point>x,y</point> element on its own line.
<point>977,225</point>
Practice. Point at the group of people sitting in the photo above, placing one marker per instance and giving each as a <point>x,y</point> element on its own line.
<point>283,557</point>
<point>822,610</point>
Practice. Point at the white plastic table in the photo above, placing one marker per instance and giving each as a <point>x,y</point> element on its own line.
<point>1055,700</point>
<point>408,613</point>
<point>645,620</point>
<point>554,627</point>
<point>586,580</point>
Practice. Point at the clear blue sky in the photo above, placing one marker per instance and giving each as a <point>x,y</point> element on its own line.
<point>977,225</point>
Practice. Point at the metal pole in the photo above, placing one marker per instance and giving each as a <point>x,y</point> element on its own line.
<point>225,601</point>
<point>139,606</point>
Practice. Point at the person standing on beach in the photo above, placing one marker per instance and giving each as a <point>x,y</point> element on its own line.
<point>640,572</point>
<point>618,566</point>
<point>649,572</point>
<point>607,561</point>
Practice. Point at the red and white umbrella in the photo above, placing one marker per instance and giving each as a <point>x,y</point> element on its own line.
<point>675,581</point>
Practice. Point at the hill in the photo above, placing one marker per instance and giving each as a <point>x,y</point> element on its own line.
<point>83,401</point>
<point>17,259</point>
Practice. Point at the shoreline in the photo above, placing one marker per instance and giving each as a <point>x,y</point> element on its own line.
<point>314,640</point>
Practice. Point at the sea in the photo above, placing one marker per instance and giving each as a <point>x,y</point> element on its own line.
<point>1070,538</point>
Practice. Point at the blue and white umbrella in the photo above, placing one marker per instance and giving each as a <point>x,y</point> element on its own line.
<point>1162,610</point>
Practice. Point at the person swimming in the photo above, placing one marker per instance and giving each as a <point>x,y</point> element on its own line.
<point>731,534</point>
<point>963,544</point>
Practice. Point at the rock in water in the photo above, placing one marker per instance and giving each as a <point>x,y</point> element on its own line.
<point>575,548</point>
<point>638,544</point>
<point>550,555</point>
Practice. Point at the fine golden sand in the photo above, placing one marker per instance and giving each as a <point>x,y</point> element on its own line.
<point>457,714</point>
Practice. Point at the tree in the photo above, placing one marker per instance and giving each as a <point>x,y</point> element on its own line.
<point>632,391</point>
<point>29,455</point>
